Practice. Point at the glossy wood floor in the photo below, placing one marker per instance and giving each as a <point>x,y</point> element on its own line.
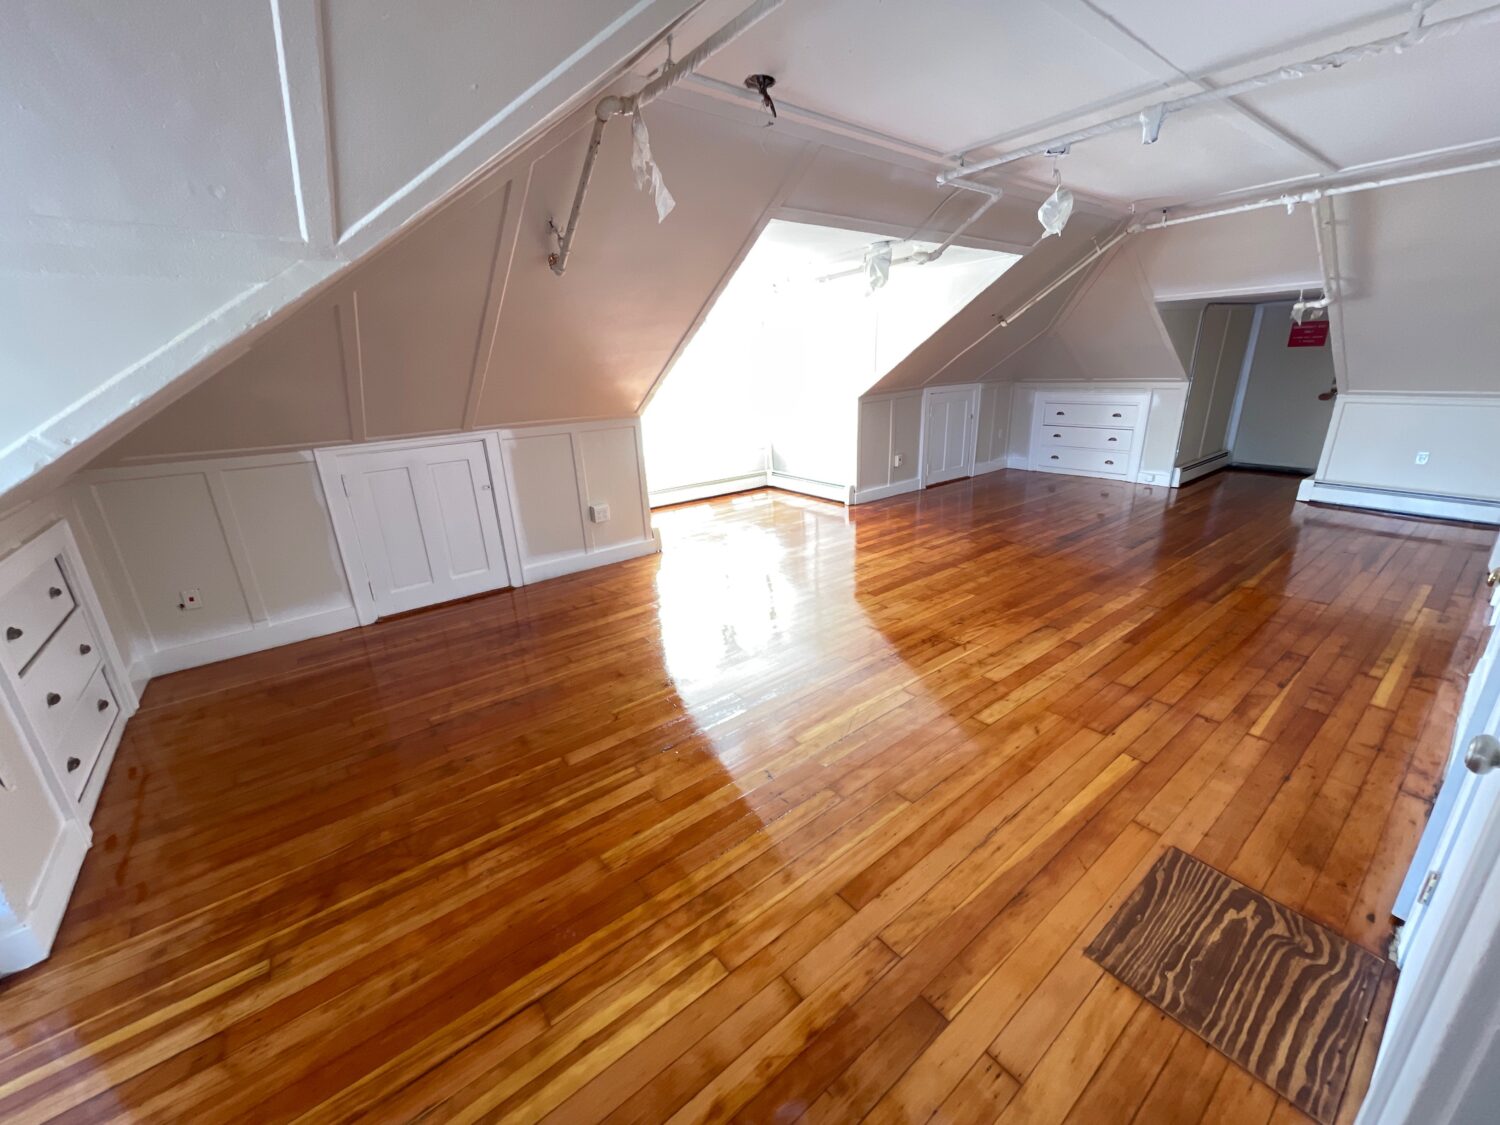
<point>809,818</point>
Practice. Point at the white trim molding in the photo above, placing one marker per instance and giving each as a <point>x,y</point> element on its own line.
<point>684,493</point>
<point>1198,469</point>
<point>1397,502</point>
<point>823,490</point>
<point>884,491</point>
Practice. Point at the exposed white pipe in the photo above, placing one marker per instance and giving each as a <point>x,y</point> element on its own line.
<point>922,257</point>
<point>614,106</point>
<point>1418,33</point>
<point>1290,201</point>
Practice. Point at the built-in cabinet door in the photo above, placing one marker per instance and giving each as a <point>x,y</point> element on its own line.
<point>948,435</point>
<point>427,524</point>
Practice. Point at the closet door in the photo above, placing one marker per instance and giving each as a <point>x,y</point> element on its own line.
<point>426,523</point>
<point>948,435</point>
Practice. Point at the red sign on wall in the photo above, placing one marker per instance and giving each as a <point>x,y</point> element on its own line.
<point>1313,334</point>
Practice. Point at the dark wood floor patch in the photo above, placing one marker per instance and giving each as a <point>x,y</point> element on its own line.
<point>1279,994</point>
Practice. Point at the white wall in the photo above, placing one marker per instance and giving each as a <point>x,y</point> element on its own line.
<point>297,138</point>
<point>254,535</point>
<point>890,425</point>
<point>1218,359</point>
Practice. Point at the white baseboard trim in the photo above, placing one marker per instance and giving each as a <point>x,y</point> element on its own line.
<point>1199,469</point>
<point>30,939</point>
<point>1017,461</point>
<point>881,491</point>
<point>1314,491</point>
<point>559,565</point>
<point>269,635</point>
<point>686,492</point>
<point>994,465</point>
<point>840,493</point>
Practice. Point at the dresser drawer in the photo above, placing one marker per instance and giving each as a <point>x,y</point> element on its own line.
<point>1085,460</point>
<point>1118,414</point>
<point>1086,437</point>
<point>56,678</point>
<point>95,713</point>
<point>30,612</point>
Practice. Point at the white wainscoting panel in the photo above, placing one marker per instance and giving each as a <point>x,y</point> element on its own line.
<point>1374,441</point>
<point>252,534</point>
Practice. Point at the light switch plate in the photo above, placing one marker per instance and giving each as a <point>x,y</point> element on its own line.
<point>190,599</point>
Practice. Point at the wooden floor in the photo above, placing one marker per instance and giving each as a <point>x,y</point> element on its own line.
<point>808,818</point>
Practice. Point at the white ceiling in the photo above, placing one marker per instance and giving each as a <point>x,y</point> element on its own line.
<point>951,77</point>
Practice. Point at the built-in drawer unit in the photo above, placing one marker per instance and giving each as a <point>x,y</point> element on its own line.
<point>53,682</point>
<point>1088,433</point>
<point>1086,460</point>
<point>1117,441</point>
<point>1118,414</point>
<point>77,751</point>
<point>30,612</point>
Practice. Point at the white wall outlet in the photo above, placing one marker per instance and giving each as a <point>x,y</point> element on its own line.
<point>896,460</point>
<point>599,513</point>
<point>1422,457</point>
<point>190,599</point>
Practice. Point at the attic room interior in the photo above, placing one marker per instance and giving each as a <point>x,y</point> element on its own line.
<point>773,560</point>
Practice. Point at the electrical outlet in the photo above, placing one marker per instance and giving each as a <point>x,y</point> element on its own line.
<point>599,513</point>
<point>190,599</point>
<point>896,460</point>
<point>1422,457</point>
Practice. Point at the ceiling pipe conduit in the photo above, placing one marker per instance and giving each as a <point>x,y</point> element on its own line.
<point>1151,116</point>
<point>614,105</point>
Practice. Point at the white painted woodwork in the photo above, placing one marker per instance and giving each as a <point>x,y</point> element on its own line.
<point>425,521</point>
<point>949,420</point>
<point>1088,433</point>
<point>1217,363</point>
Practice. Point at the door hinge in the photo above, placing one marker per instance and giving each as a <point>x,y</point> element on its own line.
<point>345,482</point>
<point>1429,884</point>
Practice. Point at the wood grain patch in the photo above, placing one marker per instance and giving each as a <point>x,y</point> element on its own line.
<point>1277,993</point>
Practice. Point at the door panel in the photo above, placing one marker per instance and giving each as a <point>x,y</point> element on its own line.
<point>426,523</point>
<point>391,530</point>
<point>949,436</point>
<point>458,496</point>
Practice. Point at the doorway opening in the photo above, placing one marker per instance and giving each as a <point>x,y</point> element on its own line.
<point>767,390</point>
<point>1261,386</point>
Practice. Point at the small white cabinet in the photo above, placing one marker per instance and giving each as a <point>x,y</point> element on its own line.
<point>1088,433</point>
<point>64,699</point>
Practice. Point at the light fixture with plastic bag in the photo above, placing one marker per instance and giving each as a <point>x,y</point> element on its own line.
<point>1056,209</point>
<point>878,264</point>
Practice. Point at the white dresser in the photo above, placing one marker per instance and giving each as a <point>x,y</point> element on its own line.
<point>1089,433</point>
<point>64,699</point>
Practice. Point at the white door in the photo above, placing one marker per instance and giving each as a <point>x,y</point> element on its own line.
<point>948,436</point>
<point>1452,925</point>
<point>426,523</point>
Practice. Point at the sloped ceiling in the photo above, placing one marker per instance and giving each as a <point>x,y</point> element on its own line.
<point>288,145</point>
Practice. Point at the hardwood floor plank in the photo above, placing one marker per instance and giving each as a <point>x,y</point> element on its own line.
<point>812,814</point>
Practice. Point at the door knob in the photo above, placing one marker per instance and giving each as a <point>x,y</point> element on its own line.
<point>1483,754</point>
<point>53,592</point>
<point>1492,579</point>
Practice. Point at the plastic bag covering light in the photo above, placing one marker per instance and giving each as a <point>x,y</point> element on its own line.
<point>647,174</point>
<point>878,264</point>
<point>1055,210</point>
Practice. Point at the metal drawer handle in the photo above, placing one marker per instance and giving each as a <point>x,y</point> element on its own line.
<point>1113,439</point>
<point>1057,435</point>
<point>53,592</point>
<point>1060,414</point>
<point>1109,462</point>
<point>104,705</point>
<point>53,699</point>
<point>84,650</point>
<point>1054,457</point>
<point>1116,414</point>
<point>73,764</point>
<point>13,634</point>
